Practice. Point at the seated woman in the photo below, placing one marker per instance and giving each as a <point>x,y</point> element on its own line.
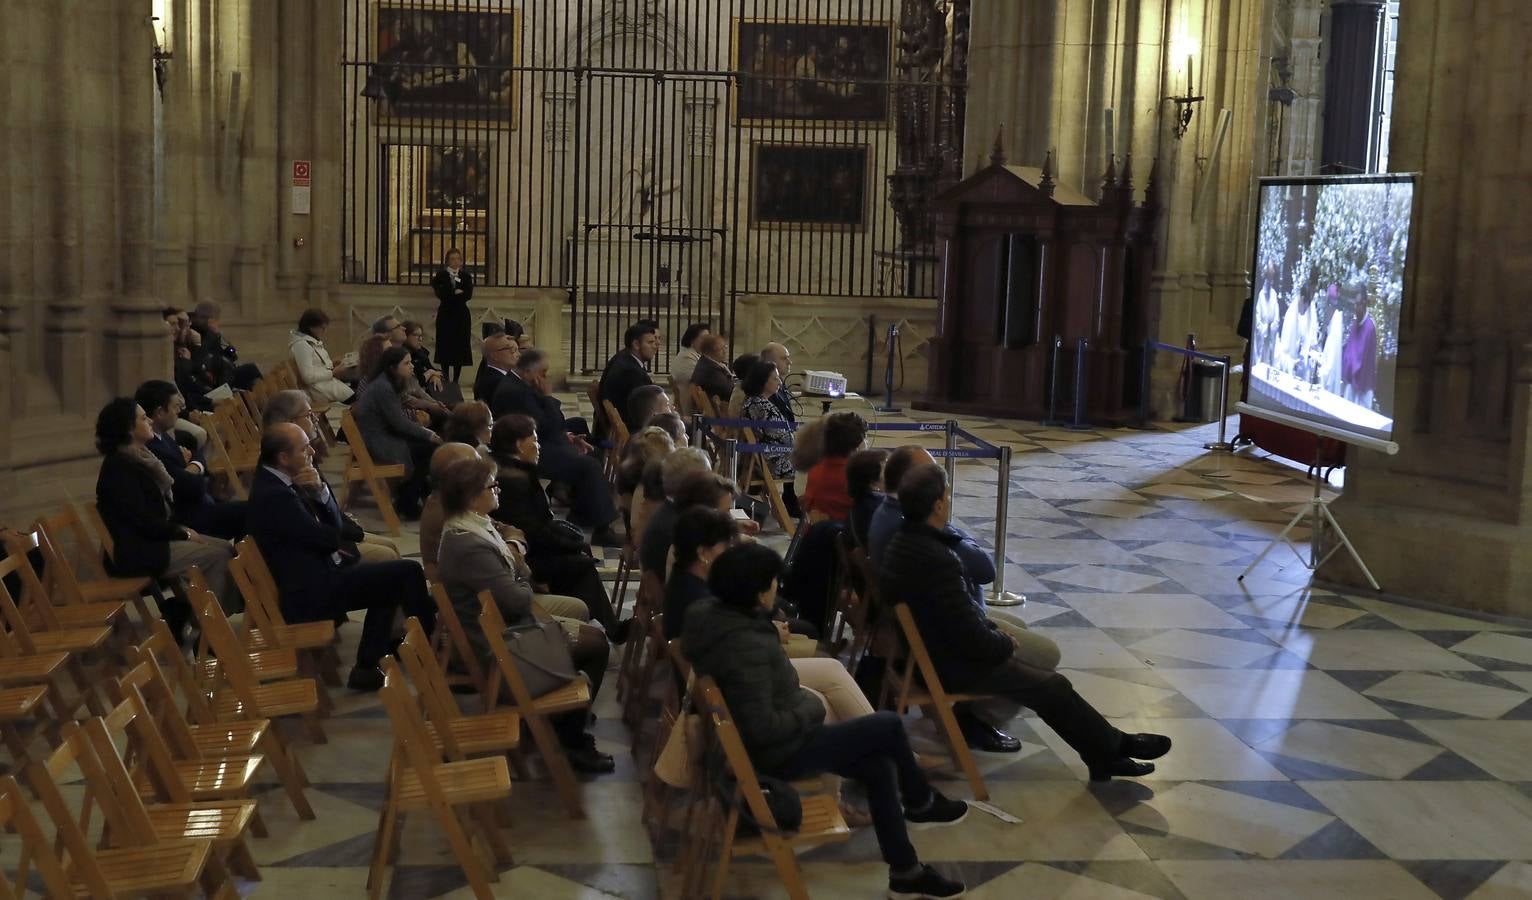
<point>427,374</point>
<point>556,550</point>
<point>762,382</point>
<point>469,424</point>
<point>319,376</point>
<point>133,498</point>
<point>474,558</point>
<point>392,436</point>
<point>731,639</point>
<point>741,367</point>
<point>826,495</point>
<point>864,484</point>
<point>647,446</point>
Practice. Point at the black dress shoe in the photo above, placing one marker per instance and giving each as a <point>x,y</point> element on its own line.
<point>365,678</point>
<point>1145,746</point>
<point>620,632</point>
<point>590,761</point>
<point>1124,767</point>
<point>986,738</point>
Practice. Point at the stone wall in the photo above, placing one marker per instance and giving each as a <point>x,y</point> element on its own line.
<point>830,333</point>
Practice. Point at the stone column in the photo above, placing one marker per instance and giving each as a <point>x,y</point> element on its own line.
<point>1449,519</point>
<point>59,202</point>
<point>294,141</point>
<point>1350,85</point>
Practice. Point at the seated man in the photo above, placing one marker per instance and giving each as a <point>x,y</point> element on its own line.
<point>646,401</point>
<point>971,654</point>
<point>566,455</point>
<point>191,502</point>
<point>628,369</point>
<point>778,355</point>
<point>712,371</point>
<point>307,544</point>
<point>498,355</point>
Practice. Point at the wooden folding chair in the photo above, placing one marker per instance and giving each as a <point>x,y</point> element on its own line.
<point>72,642</point>
<point>420,779</point>
<point>535,712</point>
<point>917,684</point>
<point>44,670</point>
<point>65,585</point>
<point>617,435</point>
<point>757,473</point>
<point>627,563</point>
<point>72,612</point>
<point>20,705</point>
<point>225,458</point>
<point>459,736</point>
<point>16,818</point>
<point>650,597</point>
<point>362,470</point>
<point>314,643</point>
<point>244,696</point>
<point>822,821</point>
<point>145,867</point>
<point>210,741</point>
<point>452,647</point>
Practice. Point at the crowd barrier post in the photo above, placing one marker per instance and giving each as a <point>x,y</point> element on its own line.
<point>1144,393</point>
<point>731,459</point>
<point>1222,445</point>
<point>1053,383</point>
<point>696,433</point>
<point>1002,515</point>
<point>951,461</point>
<point>1079,418</point>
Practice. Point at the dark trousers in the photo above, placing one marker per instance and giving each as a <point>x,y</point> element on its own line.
<point>1056,702</point>
<point>590,652</point>
<point>590,500</point>
<point>381,588</point>
<point>245,376</point>
<point>416,485</point>
<point>221,520</point>
<point>873,750</point>
<point>574,575</point>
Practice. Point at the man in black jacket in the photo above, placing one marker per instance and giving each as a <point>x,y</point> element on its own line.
<point>629,369</point>
<point>499,355</point>
<point>311,549</point>
<point>191,502</point>
<point>971,654</point>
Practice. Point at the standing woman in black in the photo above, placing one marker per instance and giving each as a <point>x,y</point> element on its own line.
<point>453,285</point>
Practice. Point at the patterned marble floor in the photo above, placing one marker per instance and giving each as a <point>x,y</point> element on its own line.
<point>1326,745</point>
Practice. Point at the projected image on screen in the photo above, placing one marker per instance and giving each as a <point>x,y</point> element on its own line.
<point>1328,285</point>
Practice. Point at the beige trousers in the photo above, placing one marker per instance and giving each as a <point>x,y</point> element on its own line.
<point>377,548</point>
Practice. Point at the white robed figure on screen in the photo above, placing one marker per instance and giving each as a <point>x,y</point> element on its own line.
<point>1335,340</point>
<point>1300,331</point>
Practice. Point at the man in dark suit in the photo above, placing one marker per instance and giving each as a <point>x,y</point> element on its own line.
<point>779,356</point>
<point>499,355</point>
<point>191,502</point>
<point>712,372</point>
<point>566,455</point>
<point>311,549</point>
<point>629,368</point>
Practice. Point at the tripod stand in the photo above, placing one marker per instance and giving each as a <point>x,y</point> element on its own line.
<point>1317,511</point>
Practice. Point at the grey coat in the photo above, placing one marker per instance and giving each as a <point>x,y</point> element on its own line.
<point>380,415</point>
<point>469,564</point>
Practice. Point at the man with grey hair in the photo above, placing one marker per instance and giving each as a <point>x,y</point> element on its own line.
<point>293,407</point>
<point>778,355</point>
<point>392,328</point>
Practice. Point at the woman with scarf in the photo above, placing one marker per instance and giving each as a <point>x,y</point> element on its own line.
<point>133,498</point>
<point>453,286</point>
<point>475,557</point>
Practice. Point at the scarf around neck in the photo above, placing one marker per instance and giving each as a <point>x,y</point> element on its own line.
<point>146,460</point>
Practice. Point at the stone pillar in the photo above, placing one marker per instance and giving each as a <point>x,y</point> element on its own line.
<point>1449,519</point>
<point>60,202</point>
<point>1350,85</point>
<point>294,141</point>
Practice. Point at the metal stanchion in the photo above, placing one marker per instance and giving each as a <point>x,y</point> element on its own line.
<point>1223,408</point>
<point>731,459</point>
<point>1145,376</point>
<point>1080,362</point>
<point>951,462</point>
<point>696,434</point>
<point>1053,384</point>
<point>1002,514</point>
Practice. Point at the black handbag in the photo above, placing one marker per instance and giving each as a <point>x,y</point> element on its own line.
<point>781,798</point>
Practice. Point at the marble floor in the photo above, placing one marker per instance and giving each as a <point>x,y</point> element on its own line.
<point>1326,745</point>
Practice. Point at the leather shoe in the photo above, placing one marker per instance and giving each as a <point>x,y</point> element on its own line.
<point>1122,767</point>
<point>365,678</point>
<point>621,631</point>
<point>986,738</point>
<point>1145,746</point>
<point>590,761</point>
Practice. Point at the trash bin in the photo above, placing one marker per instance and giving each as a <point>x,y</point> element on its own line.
<point>1205,380</point>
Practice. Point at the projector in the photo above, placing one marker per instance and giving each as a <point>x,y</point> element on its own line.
<point>824,384</point>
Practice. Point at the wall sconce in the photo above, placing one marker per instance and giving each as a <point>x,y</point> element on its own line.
<point>1185,103</point>
<point>160,34</point>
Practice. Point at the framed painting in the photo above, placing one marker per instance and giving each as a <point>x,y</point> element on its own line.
<point>808,187</point>
<point>454,181</point>
<point>815,72</point>
<point>441,61</point>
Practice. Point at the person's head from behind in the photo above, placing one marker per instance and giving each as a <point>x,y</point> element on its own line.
<point>714,347</point>
<point>290,406</point>
<point>744,577</point>
<point>901,461</point>
<point>864,472</point>
<point>414,335</point>
<point>923,495</point>
<point>162,401</point>
<point>446,455</point>
<point>468,486</point>
<point>500,352</point>
<point>367,354</point>
<point>642,340</point>
<point>705,489</point>
<point>314,322</point>
<point>514,436</point>
<point>694,331</point>
<point>468,423</point>
<point>532,367</point>
<point>763,380</point>
<point>395,365</point>
<point>122,423</point>
<point>649,445</point>
<point>285,447</point>
<point>844,433</point>
<point>681,463</point>
<point>206,315</point>
<point>645,401</point>
<point>743,363</point>
<point>672,424</point>
<point>778,354</point>
<point>702,534</point>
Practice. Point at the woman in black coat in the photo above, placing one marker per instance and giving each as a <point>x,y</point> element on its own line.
<point>556,550</point>
<point>133,498</point>
<point>454,288</point>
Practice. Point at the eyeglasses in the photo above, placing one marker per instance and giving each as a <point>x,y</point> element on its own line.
<point>493,486</point>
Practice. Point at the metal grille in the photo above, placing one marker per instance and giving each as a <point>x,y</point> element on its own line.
<point>653,158</point>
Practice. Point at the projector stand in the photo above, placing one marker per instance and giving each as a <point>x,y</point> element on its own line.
<point>1317,511</point>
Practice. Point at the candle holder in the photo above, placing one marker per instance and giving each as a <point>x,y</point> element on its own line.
<point>1185,105</point>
